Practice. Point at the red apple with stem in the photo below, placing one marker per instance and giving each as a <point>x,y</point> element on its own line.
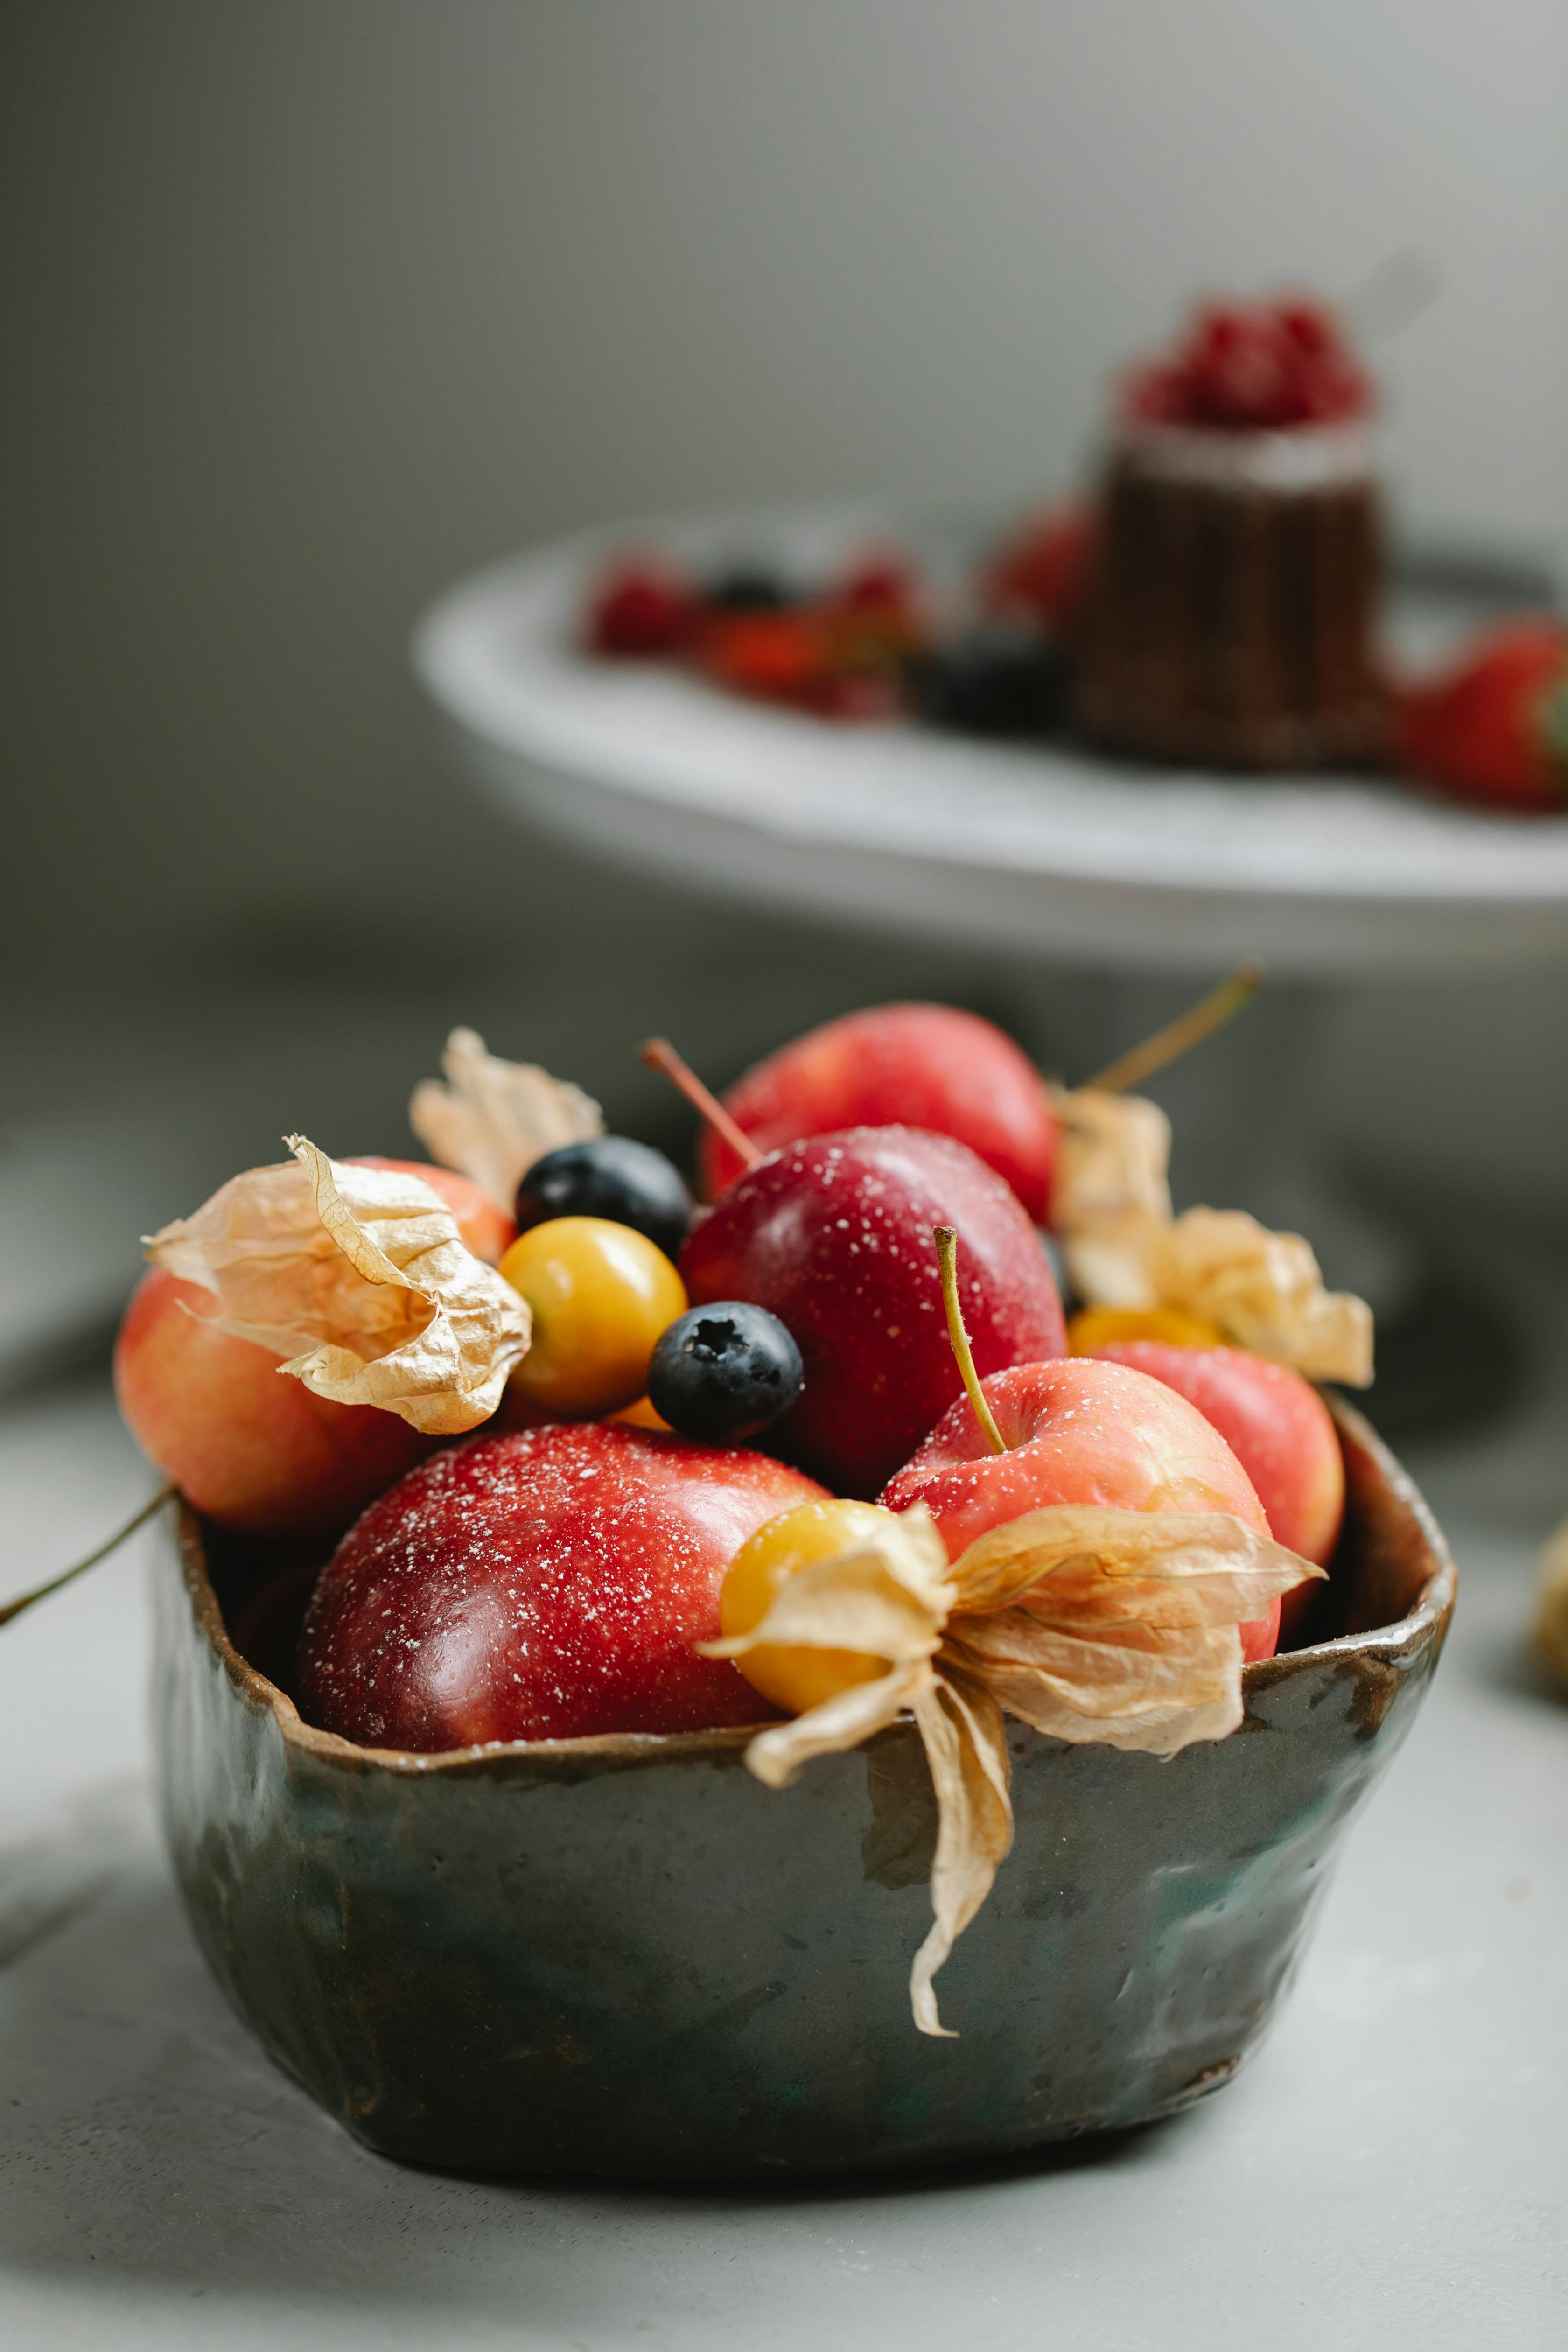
<point>1071,1431</point>
<point>925,1065</point>
<point>548,1584</point>
<point>832,1234</point>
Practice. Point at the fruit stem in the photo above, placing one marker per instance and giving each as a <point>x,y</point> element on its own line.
<point>659,1054</point>
<point>1189,1029</point>
<point>12,1609</point>
<point>946,1240</point>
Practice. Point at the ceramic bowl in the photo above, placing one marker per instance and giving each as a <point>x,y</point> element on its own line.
<point>626,1956</point>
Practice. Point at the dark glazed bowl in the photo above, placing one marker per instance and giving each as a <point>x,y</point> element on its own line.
<point>627,1956</point>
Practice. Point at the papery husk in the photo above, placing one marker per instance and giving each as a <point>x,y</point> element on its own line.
<point>1110,1189</point>
<point>1117,1626</point>
<point>492,1119</point>
<point>1113,1154</point>
<point>1265,1290</point>
<point>1111,1208</point>
<point>1089,1625</point>
<point>360,1277</point>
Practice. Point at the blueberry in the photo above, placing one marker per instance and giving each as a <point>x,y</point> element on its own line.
<point>998,678</point>
<point>610,1177</point>
<point>721,1373</point>
<point>748,588</point>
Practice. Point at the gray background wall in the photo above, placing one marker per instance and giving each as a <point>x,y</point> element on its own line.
<point>314,304</point>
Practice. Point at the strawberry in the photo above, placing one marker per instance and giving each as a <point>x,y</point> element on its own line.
<point>1494,725</point>
<point>774,657</point>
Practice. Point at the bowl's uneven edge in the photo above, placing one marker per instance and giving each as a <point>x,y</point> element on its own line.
<point>1370,1467</point>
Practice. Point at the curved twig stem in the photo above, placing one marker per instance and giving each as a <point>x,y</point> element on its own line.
<point>11,1609</point>
<point>946,1240</point>
<point>659,1054</point>
<point>1189,1029</point>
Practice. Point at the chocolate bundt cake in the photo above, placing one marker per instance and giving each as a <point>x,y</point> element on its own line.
<point>1231,614</point>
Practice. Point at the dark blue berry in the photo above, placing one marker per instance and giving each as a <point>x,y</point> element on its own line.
<point>630,1183</point>
<point>721,1373</point>
<point>748,588</point>
<point>1000,678</point>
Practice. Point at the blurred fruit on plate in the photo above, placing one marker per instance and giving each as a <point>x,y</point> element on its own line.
<point>1492,726</point>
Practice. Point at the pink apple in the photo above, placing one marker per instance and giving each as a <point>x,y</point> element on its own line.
<point>549,1584</point>
<point>1279,1430</point>
<point>834,1236</point>
<point>1078,1432</point>
<point>926,1066</point>
<point>244,1442</point>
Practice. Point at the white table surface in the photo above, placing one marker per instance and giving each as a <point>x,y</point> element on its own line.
<point>1393,2169</point>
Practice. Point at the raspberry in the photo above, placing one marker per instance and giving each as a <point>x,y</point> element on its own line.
<point>639,609</point>
<point>1254,367</point>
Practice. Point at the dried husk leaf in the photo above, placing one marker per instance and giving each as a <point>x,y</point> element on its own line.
<point>1110,1190</point>
<point>775,1756</point>
<point>965,1742</point>
<point>492,1119</point>
<point>1117,1626</point>
<point>1113,1152</point>
<point>888,1597</point>
<point>1265,1290</point>
<point>359,1277</point>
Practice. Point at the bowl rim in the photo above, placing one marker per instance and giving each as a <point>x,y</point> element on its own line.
<point>1426,1616</point>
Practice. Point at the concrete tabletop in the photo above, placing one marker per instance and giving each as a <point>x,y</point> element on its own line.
<point>1393,2169</point>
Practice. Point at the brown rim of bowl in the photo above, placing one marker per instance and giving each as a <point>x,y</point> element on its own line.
<point>626,1747</point>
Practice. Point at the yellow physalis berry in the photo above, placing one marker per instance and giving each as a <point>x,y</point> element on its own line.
<point>601,1295</point>
<point>1105,1327</point>
<point>796,1679</point>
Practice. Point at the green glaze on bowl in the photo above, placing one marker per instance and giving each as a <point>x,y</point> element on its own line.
<point>627,1956</point>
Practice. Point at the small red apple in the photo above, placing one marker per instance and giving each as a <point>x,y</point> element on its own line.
<point>834,1236</point>
<point>247,1445</point>
<point>253,1449</point>
<point>549,1584</point>
<point>1279,1430</point>
<point>1078,1432</point>
<point>926,1066</point>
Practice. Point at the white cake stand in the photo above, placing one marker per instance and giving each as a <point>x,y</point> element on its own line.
<point>1048,852</point>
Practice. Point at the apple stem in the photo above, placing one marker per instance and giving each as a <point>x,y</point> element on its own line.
<point>946,1240</point>
<point>659,1054</point>
<point>12,1609</point>
<point>1200,1020</point>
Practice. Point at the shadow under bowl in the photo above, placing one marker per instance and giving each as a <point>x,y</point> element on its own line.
<point>625,1956</point>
